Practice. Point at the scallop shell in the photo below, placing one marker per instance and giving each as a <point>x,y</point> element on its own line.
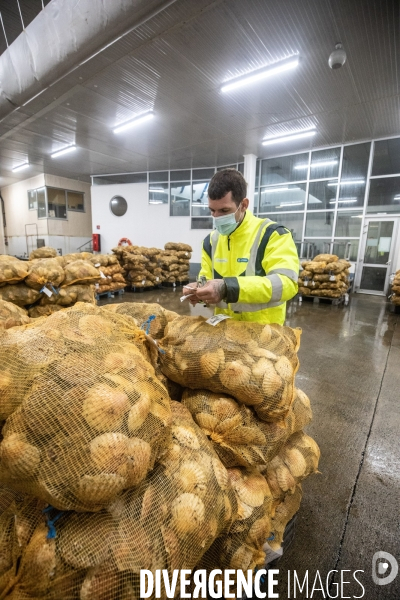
<point>18,457</point>
<point>187,513</point>
<point>265,335</point>
<point>83,539</point>
<point>260,367</point>
<point>284,369</point>
<point>241,559</point>
<point>94,326</point>
<point>225,408</point>
<point>245,435</point>
<point>295,462</point>
<point>138,461</point>
<point>229,424</point>
<point>131,548</point>
<point>162,410</point>
<point>172,548</point>
<point>181,362</point>
<point>99,489</point>
<point>263,353</point>
<point>118,361</point>
<point>271,382</point>
<point>100,584</point>
<point>75,371</point>
<point>285,479</point>
<point>139,411</point>
<point>237,332</point>
<point>108,451</point>
<point>244,511</point>
<point>39,561</point>
<point>206,421</point>
<point>210,363</point>
<point>191,477</point>
<point>221,474</point>
<point>104,407</point>
<point>252,490</point>
<point>234,374</point>
<point>185,436</point>
<point>259,531</point>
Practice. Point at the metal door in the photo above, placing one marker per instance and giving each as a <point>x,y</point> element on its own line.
<point>378,246</point>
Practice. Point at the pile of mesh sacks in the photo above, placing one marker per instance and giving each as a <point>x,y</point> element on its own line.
<point>132,438</point>
<point>395,289</point>
<point>175,261</point>
<point>326,276</point>
<point>48,282</point>
<point>140,265</point>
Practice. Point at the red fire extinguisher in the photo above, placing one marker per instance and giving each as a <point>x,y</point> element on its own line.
<point>96,242</point>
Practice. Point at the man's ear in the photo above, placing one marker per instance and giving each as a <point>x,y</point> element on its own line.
<point>245,203</point>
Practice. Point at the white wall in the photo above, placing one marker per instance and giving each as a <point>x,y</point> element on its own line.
<point>144,224</point>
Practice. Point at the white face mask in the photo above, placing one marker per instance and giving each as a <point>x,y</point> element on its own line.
<point>226,224</point>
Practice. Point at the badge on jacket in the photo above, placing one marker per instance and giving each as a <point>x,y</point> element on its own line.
<point>243,260</point>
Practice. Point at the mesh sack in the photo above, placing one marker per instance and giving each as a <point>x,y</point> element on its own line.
<point>184,254</point>
<point>283,513</point>
<point>12,315</point>
<point>304,291</point>
<point>143,313</point>
<point>45,252</point>
<point>337,266</point>
<point>44,271</point>
<point>167,523</point>
<point>316,267</point>
<point>88,417</point>
<point>327,293</point>
<point>254,363</point>
<point>242,547</point>
<point>238,436</point>
<point>12,270</point>
<point>395,299</point>
<point>178,246</point>
<point>70,295</point>
<point>396,288</point>
<point>80,271</point>
<point>37,311</point>
<point>327,258</point>
<point>334,285</point>
<point>112,269</point>
<point>69,258</point>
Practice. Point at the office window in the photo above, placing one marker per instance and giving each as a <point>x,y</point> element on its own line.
<point>183,175</point>
<point>292,221</point>
<point>56,203</point>
<point>75,201</point>
<point>180,199</point>
<point>200,199</point>
<point>203,173</point>
<point>284,169</point>
<point>348,223</point>
<point>32,201</point>
<point>386,159</point>
<point>347,249</point>
<point>384,195</point>
<point>283,198</point>
<point>158,193</point>
<point>325,163</point>
<point>41,203</point>
<point>322,194</point>
<point>314,247</point>
<point>319,224</point>
<point>158,176</point>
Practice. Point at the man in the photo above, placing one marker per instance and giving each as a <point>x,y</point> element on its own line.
<point>251,265</point>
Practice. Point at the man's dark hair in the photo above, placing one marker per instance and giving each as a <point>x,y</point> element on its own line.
<point>228,180</point>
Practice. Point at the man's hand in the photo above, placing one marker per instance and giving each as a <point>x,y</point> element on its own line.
<point>190,290</point>
<point>212,292</point>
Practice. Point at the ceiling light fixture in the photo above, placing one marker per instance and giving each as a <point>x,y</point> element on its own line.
<point>289,204</point>
<point>293,135</point>
<point>322,163</point>
<point>70,148</point>
<point>141,118</point>
<point>349,182</point>
<point>273,190</point>
<point>20,167</point>
<point>344,201</point>
<point>397,197</point>
<point>156,202</point>
<point>259,74</point>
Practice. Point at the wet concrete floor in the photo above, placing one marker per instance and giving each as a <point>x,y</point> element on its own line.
<point>350,369</point>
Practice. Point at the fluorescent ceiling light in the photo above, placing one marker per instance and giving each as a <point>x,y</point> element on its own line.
<point>63,151</point>
<point>345,200</point>
<point>156,202</point>
<point>322,163</point>
<point>357,217</point>
<point>259,74</point>
<point>349,182</point>
<point>397,197</point>
<point>273,190</point>
<point>158,189</point>
<point>293,135</point>
<point>146,116</point>
<point>289,204</point>
<point>20,167</point>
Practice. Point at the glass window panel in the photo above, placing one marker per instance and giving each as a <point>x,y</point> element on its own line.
<point>314,247</point>
<point>41,203</point>
<point>121,178</point>
<point>355,161</point>
<point>200,199</point>
<point>386,159</point>
<point>348,223</point>
<point>32,202</point>
<point>118,206</point>
<point>347,249</point>
<point>75,201</point>
<point>158,176</point>
<point>256,196</point>
<point>319,224</point>
<point>179,175</point>
<point>322,194</point>
<point>384,195</point>
<point>283,198</point>
<point>284,169</point>
<point>241,168</point>
<point>257,173</point>
<point>56,203</point>
<point>158,193</point>
<point>203,173</point>
<point>352,193</point>
<point>379,241</point>
<point>325,163</point>
<point>373,278</point>
<point>293,222</point>
<point>202,223</point>
<point>180,199</point>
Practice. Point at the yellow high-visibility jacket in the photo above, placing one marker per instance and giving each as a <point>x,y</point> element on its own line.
<point>260,266</point>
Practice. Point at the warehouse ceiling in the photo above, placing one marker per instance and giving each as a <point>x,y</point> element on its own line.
<point>174,64</point>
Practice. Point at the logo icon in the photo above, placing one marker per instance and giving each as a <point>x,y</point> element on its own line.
<point>381,573</point>
<point>243,260</point>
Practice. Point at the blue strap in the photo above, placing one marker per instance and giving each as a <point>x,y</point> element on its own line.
<point>52,533</point>
<point>271,538</point>
<point>147,323</point>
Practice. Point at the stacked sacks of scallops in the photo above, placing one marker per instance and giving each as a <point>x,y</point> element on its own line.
<point>326,276</point>
<point>395,289</point>
<point>111,273</point>
<point>175,262</point>
<point>240,390</point>
<point>140,265</point>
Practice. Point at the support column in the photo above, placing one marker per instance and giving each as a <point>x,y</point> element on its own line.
<point>250,163</point>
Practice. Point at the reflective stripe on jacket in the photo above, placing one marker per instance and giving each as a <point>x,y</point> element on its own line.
<point>260,266</point>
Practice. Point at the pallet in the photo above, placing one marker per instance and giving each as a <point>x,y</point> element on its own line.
<point>176,284</point>
<point>109,294</point>
<point>344,299</point>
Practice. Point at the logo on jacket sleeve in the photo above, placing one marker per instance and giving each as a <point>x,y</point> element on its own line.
<point>242,260</point>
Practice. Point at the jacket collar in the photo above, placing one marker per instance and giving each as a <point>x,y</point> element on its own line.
<point>244,226</point>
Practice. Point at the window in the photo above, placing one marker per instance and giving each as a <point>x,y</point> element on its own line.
<point>158,176</point>
<point>180,199</point>
<point>386,157</point>
<point>121,178</point>
<point>32,201</point>
<point>347,249</point>
<point>283,198</point>
<point>314,247</point>
<point>56,203</point>
<point>203,173</point>
<point>41,203</point>
<point>284,169</point>
<point>325,163</point>
<point>348,223</point>
<point>384,195</point>
<point>322,194</point>
<point>355,161</point>
<point>118,206</point>
<point>158,193</point>
<point>75,201</point>
<point>319,224</point>
<point>292,221</point>
<point>200,199</point>
<point>202,223</point>
<point>180,175</point>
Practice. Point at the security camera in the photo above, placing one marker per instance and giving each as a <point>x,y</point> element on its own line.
<point>337,58</point>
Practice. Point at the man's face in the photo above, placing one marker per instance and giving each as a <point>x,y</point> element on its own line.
<point>226,205</point>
